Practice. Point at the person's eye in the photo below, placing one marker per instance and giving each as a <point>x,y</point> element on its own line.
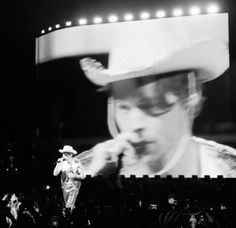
<point>157,112</point>
<point>123,107</point>
<point>154,110</point>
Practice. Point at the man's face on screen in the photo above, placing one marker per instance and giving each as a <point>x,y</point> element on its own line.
<point>148,108</point>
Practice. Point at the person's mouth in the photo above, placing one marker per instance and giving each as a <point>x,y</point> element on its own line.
<point>141,145</point>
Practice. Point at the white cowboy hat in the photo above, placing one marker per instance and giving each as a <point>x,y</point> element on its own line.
<point>68,149</point>
<point>153,47</point>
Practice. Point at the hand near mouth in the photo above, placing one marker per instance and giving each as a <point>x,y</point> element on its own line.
<point>107,153</point>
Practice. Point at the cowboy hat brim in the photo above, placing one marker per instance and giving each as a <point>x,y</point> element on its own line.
<point>209,59</point>
<point>68,151</point>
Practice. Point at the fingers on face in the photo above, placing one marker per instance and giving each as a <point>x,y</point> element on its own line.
<point>130,137</point>
<point>110,150</point>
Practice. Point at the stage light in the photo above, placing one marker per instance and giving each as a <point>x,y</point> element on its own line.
<point>47,187</point>
<point>113,18</point>
<point>97,20</point>
<point>50,28</point>
<point>128,17</point>
<point>160,14</point>
<point>144,15</point>
<point>82,21</point>
<point>68,23</point>
<point>177,12</point>
<point>42,31</point>
<point>57,26</point>
<point>213,9</point>
<point>194,10</point>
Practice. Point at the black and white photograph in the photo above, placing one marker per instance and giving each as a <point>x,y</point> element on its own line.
<point>118,114</point>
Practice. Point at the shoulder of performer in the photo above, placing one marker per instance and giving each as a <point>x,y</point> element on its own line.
<point>222,155</point>
<point>77,160</point>
<point>214,146</point>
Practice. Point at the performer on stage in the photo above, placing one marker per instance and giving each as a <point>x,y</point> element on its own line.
<point>71,175</point>
<point>154,84</point>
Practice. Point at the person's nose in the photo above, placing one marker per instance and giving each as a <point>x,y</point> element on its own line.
<point>137,120</point>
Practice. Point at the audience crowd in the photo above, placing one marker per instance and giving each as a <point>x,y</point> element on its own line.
<point>117,201</point>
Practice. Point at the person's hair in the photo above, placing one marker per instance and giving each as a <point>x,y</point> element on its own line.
<point>186,87</point>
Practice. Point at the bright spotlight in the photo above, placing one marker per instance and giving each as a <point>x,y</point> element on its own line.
<point>177,12</point>
<point>128,17</point>
<point>50,28</point>
<point>213,9</point>
<point>194,10</point>
<point>68,23</point>
<point>160,13</point>
<point>144,15</point>
<point>113,18</point>
<point>82,21</point>
<point>57,26</point>
<point>97,20</point>
<point>47,187</point>
<point>42,31</point>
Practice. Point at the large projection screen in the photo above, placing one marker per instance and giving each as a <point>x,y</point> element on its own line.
<point>208,157</point>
